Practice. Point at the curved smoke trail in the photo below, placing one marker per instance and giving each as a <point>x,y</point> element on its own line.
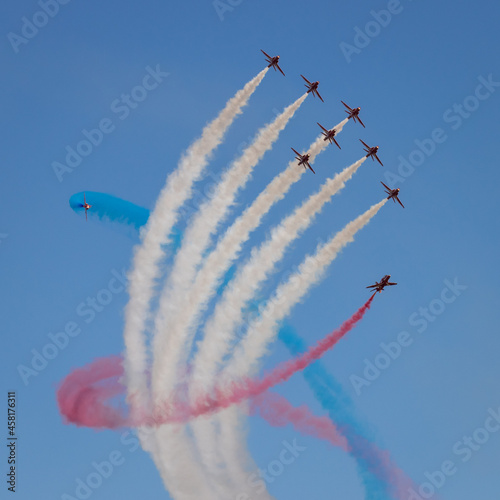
<point>380,477</point>
<point>145,271</point>
<point>328,392</point>
<point>87,384</point>
<point>219,329</point>
<point>197,237</point>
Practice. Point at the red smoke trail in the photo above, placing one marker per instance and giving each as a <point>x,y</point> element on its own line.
<point>278,412</point>
<point>83,394</point>
<point>235,392</point>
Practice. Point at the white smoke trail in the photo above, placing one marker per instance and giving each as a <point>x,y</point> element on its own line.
<point>183,474</point>
<point>169,339</point>
<point>145,268</point>
<point>146,262</point>
<point>169,334</point>
<point>230,244</point>
<point>205,431</point>
<point>228,313</point>
<point>262,330</point>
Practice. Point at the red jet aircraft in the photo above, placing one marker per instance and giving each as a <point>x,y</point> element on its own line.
<point>353,113</point>
<point>273,62</point>
<point>372,151</point>
<point>303,160</point>
<point>86,206</point>
<point>380,285</point>
<point>312,87</point>
<point>393,193</point>
<point>329,135</point>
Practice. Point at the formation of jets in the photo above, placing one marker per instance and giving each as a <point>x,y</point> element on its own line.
<point>329,135</point>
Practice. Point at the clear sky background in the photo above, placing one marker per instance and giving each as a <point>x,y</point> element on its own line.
<point>430,57</point>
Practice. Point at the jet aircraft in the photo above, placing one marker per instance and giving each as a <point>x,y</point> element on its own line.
<point>303,160</point>
<point>380,285</point>
<point>86,206</point>
<point>312,87</point>
<point>371,151</point>
<point>329,135</point>
<point>393,193</point>
<point>273,62</point>
<point>353,113</point>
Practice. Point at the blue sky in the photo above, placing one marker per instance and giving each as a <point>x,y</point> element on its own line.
<point>410,79</point>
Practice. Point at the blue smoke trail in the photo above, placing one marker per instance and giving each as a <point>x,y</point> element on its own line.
<point>326,389</point>
<point>337,402</point>
<point>108,208</point>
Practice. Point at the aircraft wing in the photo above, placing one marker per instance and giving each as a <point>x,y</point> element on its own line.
<point>319,96</point>
<point>267,55</point>
<point>297,153</point>
<point>385,185</point>
<point>349,108</point>
<point>336,142</point>
<point>399,201</point>
<point>359,119</point>
<point>372,286</point>
<point>378,159</point>
<point>312,170</point>
<point>306,79</point>
<point>391,284</point>
<point>277,65</point>
<point>324,129</point>
<point>364,144</point>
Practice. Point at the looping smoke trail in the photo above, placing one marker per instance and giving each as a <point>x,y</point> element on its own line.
<point>172,313</point>
<point>376,478</point>
<point>74,388</point>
